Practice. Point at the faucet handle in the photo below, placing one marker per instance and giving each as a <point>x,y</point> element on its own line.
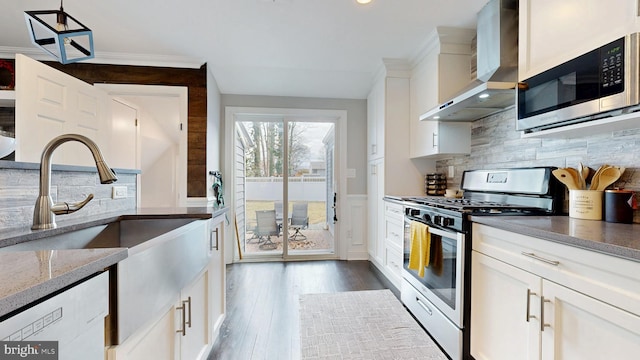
<point>66,208</point>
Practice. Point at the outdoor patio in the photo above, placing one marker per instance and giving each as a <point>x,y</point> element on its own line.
<point>317,239</point>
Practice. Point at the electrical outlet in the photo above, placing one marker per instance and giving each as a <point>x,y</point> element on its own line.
<point>119,192</point>
<point>452,172</point>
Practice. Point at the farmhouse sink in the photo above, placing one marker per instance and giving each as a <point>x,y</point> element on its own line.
<point>164,255</point>
<point>124,233</point>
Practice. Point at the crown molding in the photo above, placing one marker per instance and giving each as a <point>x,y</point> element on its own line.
<point>112,58</point>
<point>444,39</point>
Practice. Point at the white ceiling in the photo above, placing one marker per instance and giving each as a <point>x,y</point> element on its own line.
<point>308,48</point>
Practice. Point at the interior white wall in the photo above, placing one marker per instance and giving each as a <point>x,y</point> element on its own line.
<point>214,130</point>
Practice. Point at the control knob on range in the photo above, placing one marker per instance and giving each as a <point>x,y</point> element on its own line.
<point>442,221</point>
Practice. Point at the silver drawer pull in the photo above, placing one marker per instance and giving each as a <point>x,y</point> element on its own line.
<point>536,257</point>
<point>542,324</point>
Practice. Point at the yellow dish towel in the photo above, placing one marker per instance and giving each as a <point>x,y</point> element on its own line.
<point>420,245</point>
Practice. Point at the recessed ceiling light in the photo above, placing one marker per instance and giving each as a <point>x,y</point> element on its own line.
<point>363,1</point>
<point>484,96</point>
<point>436,117</point>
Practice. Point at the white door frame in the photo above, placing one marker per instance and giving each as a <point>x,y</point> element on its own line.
<point>340,116</point>
<point>161,91</point>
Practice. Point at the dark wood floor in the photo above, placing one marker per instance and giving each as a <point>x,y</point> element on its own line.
<point>262,304</point>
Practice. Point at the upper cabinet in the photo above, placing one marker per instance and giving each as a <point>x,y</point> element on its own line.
<point>443,70</point>
<point>552,32</point>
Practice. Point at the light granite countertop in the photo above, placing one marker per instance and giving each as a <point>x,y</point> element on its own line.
<point>27,276</point>
<point>622,240</point>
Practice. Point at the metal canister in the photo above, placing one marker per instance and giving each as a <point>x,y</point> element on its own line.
<point>619,206</point>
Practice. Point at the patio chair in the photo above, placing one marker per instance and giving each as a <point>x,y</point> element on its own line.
<point>266,226</point>
<point>299,220</point>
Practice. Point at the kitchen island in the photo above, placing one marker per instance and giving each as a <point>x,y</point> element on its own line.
<point>20,275</point>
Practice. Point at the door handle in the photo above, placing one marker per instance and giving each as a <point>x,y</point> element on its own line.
<point>424,306</point>
<point>335,214</point>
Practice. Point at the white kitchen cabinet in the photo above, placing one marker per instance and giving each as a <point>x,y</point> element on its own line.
<point>552,32</point>
<point>217,278</point>
<point>180,332</point>
<point>441,139</point>
<point>551,301</point>
<point>443,71</point>
<point>391,171</point>
<point>393,242</point>
<point>192,323</point>
<point>375,193</point>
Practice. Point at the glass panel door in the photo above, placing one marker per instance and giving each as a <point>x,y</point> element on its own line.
<point>310,187</point>
<point>259,186</point>
<point>285,186</point>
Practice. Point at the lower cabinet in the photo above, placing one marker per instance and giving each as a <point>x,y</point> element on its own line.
<point>217,278</point>
<point>532,311</point>
<point>182,332</point>
<point>189,326</point>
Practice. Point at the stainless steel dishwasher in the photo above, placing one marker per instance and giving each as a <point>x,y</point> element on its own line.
<point>74,318</point>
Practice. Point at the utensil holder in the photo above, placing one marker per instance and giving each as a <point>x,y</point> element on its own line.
<point>585,204</point>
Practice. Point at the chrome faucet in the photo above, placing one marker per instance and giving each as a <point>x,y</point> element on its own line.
<point>45,210</point>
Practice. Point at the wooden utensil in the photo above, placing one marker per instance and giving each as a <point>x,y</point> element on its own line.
<point>577,177</point>
<point>596,177</point>
<point>567,178</point>
<point>607,177</point>
<point>584,174</point>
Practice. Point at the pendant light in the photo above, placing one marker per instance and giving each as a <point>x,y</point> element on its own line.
<point>60,35</point>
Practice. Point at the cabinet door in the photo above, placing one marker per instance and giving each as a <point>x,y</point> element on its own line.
<point>375,120</point>
<point>193,319</point>
<point>504,319</point>
<point>580,327</point>
<point>552,32</point>
<point>217,272</point>
<point>375,191</point>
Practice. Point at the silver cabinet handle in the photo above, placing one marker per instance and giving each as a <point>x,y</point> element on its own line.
<point>188,302</point>
<point>184,313</point>
<point>529,294</point>
<point>542,324</point>
<point>424,306</point>
<point>539,258</point>
<point>211,239</point>
<point>433,138</point>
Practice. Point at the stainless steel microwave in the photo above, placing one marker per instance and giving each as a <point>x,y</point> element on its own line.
<point>603,82</point>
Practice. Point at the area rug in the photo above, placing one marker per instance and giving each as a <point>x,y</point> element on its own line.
<point>361,325</point>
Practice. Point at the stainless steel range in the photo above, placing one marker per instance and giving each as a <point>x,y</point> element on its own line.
<point>437,294</point>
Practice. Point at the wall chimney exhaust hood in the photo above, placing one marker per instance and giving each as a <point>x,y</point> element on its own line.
<point>494,89</point>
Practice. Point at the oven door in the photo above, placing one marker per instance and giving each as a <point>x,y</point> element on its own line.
<point>442,280</point>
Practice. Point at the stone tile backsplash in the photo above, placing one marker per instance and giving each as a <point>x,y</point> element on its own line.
<point>495,143</point>
<point>19,189</point>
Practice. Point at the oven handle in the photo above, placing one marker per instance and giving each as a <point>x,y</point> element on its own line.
<point>433,229</point>
<point>424,306</point>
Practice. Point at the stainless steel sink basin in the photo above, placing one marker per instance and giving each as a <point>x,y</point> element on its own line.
<point>164,255</point>
<point>123,233</point>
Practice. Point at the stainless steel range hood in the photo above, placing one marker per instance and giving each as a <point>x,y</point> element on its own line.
<point>494,88</point>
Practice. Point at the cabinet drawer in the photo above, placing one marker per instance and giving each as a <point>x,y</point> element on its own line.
<point>394,211</point>
<point>611,279</point>
<point>393,260</point>
<point>393,232</point>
